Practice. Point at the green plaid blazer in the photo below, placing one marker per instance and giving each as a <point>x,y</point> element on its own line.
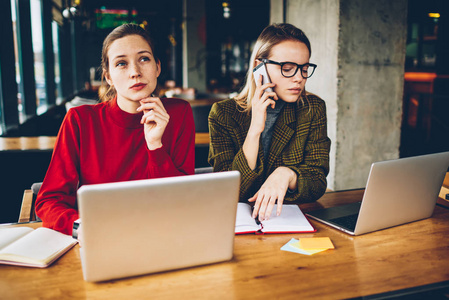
<point>299,141</point>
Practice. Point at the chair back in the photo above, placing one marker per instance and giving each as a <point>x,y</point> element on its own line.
<point>27,210</point>
<point>200,117</point>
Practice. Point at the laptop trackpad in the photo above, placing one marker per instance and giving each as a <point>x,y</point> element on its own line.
<point>337,211</point>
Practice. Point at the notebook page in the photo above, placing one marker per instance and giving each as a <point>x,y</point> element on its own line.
<point>291,219</point>
<point>39,246</point>
<point>244,222</point>
<point>9,235</point>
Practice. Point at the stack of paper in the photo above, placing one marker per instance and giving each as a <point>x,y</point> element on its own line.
<point>308,246</point>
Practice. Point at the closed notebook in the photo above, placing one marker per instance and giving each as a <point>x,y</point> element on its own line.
<point>24,246</point>
<point>291,219</point>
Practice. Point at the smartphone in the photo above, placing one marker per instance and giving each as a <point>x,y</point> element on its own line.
<point>261,69</point>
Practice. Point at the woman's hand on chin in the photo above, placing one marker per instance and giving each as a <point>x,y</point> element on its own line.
<point>155,119</point>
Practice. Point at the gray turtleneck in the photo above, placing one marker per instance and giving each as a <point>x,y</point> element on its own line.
<point>272,115</point>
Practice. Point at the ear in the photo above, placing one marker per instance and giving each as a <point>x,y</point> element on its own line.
<point>158,66</point>
<point>107,77</point>
<point>257,62</point>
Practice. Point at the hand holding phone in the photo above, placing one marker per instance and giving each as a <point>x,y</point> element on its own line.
<point>261,69</point>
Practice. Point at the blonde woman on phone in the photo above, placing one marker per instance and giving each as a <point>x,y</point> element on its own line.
<point>274,133</point>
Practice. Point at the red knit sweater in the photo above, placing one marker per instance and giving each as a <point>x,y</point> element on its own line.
<point>101,143</point>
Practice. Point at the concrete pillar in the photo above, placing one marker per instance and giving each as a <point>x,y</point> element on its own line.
<point>194,44</point>
<point>371,84</point>
<point>359,46</point>
<point>319,19</point>
<point>277,11</point>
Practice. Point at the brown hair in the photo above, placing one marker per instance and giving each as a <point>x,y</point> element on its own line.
<point>270,37</point>
<point>107,92</point>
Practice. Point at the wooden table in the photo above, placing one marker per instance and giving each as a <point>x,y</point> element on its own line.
<point>202,138</point>
<point>42,143</point>
<point>398,258</point>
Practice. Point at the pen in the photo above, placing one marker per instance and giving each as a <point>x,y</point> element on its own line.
<point>257,217</point>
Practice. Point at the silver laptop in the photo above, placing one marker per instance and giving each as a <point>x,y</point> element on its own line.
<point>397,192</point>
<point>146,226</point>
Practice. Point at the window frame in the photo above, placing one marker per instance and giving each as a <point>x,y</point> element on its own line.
<point>26,57</point>
<point>8,84</point>
<point>12,121</point>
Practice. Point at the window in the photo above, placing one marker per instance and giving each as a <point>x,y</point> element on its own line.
<point>55,34</point>
<point>39,69</point>
<point>424,38</point>
<point>20,105</point>
<point>1,120</point>
<point>8,85</point>
<point>30,55</point>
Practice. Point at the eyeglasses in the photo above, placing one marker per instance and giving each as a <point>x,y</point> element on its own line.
<point>289,69</point>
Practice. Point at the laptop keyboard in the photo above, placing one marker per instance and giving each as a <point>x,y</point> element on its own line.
<point>347,222</point>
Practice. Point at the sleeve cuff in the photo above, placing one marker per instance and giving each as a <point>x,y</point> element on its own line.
<point>158,156</point>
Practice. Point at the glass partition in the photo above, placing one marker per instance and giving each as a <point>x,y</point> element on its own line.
<point>20,104</point>
<point>39,70</point>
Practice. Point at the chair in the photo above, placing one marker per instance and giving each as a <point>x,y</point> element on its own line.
<point>204,170</point>
<point>200,117</point>
<point>27,213</point>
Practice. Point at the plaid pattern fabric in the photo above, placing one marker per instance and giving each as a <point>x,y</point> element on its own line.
<point>299,142</point>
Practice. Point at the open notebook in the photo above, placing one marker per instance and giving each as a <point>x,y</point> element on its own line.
<point>291,220</point>
<point>25,246</point>
<point>146,226</point>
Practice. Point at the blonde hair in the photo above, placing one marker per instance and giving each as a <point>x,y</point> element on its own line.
<point>107,92</point>
<point>270,37</point>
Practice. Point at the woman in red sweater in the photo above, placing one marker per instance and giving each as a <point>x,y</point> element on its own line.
<point>131,135</point>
